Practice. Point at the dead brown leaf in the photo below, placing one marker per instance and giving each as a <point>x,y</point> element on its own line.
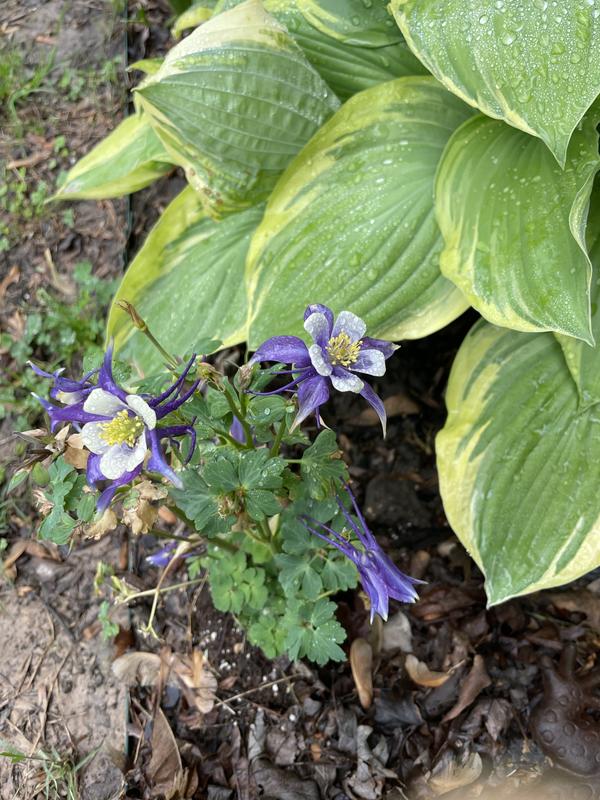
<point>165,770</point>
<point>361,664</point>
<point>580,600</point>
<point>28,547</point>
<point>142,516</point>
<point>397,634</point>
<point>475,682</point>
<point>12,276</point>
<point>142,668</point>
<point>74,453</point>
<point>450,773</point>
<point>197,680</point>
<point>107,523</point>
<point>395,406</point>
<point>420,673</point>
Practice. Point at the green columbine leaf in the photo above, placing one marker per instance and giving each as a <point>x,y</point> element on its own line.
<point>346,67</point>
<point>233,103</point>
<point>312,632</point>
<point>131,157</point>
<point>513,222</point>
<point>519,460</point>
<point>198,503</point>
<point>187,282</point>
<point>531,63</point>
<point>352,222</point>
<point>258,470</point>
<point>322,466</point>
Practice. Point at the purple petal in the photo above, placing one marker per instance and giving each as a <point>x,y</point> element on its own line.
<point>105,378</point>
<point>180,430</point>
<point>108,494</point>
<point>376,590</point>
<point>285,349</point>
<point>339,543</point>
<point>312,393</point>
<point>376,402</point>
<point>93,473</point>
<point>387,348</point>
<point>400,586</point>
<point>371,362</point>
<point>237,431</point>
<point>72,413</point>
<point>162,557</point>
<point>173,405</point>
<point>157,462</point>
<point>168,392</point>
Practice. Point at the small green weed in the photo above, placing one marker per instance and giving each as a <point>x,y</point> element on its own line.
<point>55,335</point>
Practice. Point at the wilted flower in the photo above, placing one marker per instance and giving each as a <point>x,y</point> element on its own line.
<point>380,577</point>
<point>340,351</point>
<point>119,429</point>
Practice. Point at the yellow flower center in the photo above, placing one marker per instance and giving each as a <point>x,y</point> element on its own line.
<point>342,350</point>
<point>122,429</point>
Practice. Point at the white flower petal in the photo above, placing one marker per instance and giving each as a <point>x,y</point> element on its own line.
<point>92,439</point>
<point>318,359</point>
<point>142,409</point>
<point>121,458</point>
<point>68,398</point>
<point>349,323</point>
<point>317,325</point>
<point>347,382</point>
<point>102,402</point>
<point>370,361</point>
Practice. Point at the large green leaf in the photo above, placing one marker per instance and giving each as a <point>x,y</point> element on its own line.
<point>351,222</point>
<point>346,68</point>
<point>187,282</point>
<point>513,224</point>
<point>234,102</point>
<point>131,157</point>
<point>355,22</point>
<point>532,63</point>
<point>519,460</point>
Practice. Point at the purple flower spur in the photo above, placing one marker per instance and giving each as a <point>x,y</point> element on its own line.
<point>340,351</point>
<point>380,577</point>
<point>119,429</point>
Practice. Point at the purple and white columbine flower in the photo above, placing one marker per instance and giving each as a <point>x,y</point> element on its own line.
<point>119,429</point>
<point>380,577</point>
<point>340,351</point>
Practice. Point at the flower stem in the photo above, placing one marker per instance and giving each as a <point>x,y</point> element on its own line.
<point>278,438</point>
<point>142,326</point>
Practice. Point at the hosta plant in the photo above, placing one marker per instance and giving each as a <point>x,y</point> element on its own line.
<point>407,162</point>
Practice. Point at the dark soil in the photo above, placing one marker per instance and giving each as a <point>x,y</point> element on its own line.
<point>278,730</point>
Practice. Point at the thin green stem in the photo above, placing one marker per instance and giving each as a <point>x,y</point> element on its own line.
<point>278,438</point>
<point>241,417</point>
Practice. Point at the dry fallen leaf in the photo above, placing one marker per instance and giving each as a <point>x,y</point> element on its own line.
<point>142,516</point>
<point>395,406</point>
<point>420,673</point>
<point>361,664</point>
<point>397,634</point>
<point>474,683</point>
<point>74,453</point>
<point>107,523</point>
<point>165,771</point>
<point>197,680</point>
<point>580,600</point>
<point>142,668</point>
<point>450,773</point>
<point>28,547</point>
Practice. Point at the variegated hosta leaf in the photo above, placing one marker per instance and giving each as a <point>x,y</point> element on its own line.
<point>131,157</point>
<point>519,462</point>
<point>513,224</point>
<point>187,282</point>
<point>234,102</point>
<point>355,22</point>
<point>531,63</point>
<point>351,222</point>
<point>196,14</point>
<point>346,68</point>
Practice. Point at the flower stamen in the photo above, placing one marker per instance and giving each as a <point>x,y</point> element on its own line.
<point>122,429</point>
<point>342,350</point>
